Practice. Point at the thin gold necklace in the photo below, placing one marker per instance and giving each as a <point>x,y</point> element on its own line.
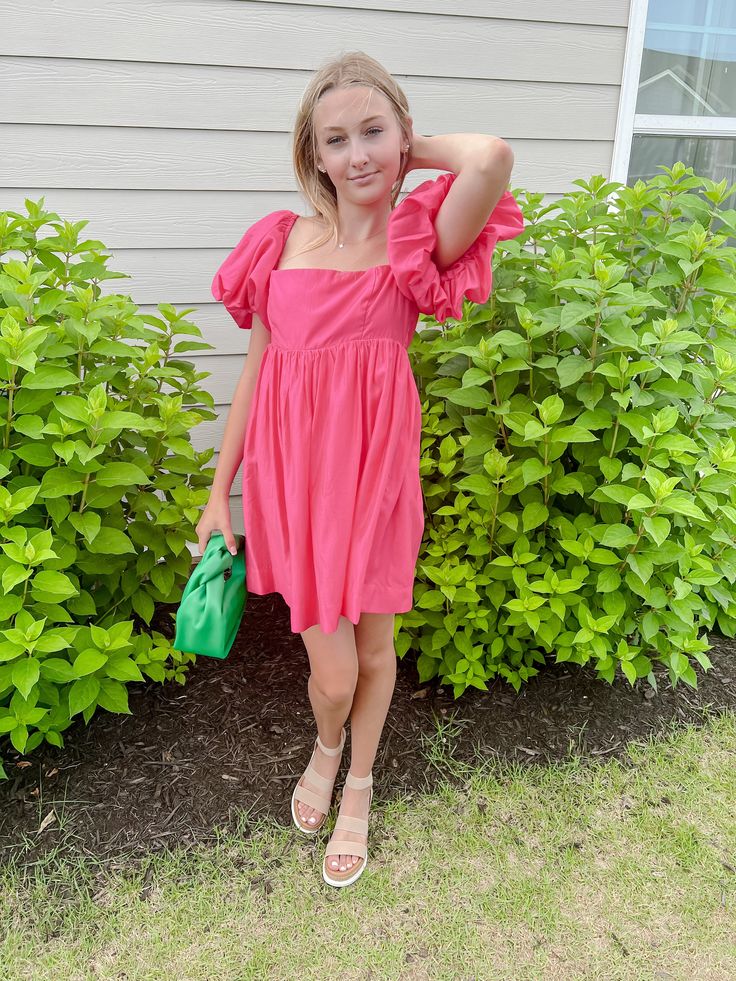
<point>341,245</point>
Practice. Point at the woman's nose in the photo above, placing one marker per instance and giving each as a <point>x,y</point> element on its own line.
<point>358,154</point>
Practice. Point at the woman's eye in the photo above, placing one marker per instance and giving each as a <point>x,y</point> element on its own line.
<point>373,129</point>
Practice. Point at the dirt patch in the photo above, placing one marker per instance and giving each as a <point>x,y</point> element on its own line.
<point>227,747</point>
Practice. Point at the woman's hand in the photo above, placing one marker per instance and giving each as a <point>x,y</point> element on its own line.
<point>216,517</point>
<point>454,151</point>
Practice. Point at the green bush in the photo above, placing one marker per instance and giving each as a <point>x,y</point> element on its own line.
<point>101,487</point>
<point>577,452</point>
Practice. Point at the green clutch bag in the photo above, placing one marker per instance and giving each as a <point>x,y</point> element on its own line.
<point>213,600</point>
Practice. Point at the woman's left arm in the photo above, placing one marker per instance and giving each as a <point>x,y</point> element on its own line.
<point>482,166</point>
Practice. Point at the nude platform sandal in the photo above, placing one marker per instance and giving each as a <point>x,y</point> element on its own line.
<point>338,846</point>
<point>319,801</point>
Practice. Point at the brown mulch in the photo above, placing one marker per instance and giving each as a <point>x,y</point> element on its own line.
<point>232,741</point>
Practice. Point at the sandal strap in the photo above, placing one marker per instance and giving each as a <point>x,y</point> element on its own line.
<point>311,799</point>
<point>359,783</point>
<point>322,783</point>
<point>347,823</point>
<point>341,847</point>
<point>334,751</point>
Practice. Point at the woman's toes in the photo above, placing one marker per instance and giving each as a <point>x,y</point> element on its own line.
<point>307,814</point>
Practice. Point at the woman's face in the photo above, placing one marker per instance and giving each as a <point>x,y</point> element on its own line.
<point>350,142</point>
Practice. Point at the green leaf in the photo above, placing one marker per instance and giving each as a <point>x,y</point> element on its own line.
<point>88,662</point>
<point>618,536</point>
<point>9,605</point>
<point>144,606</point>
<point>113,696</point>
<point>30,425</point>
<point>641,565</point>
<point>57,670</point>
<point>571,369</point>
<point>119,419</point>
<point>608,580</point>
<point>716,282</point>
<point>573,434</point>
<point>659,528</point>
<point>569,484</point>
<point>628,670</point>
<point>533,515</point>
<point>473,397</point>
<point>60,482</point>
<point>87,524</point>
<point>82,694</point>
<point>50,376</point>
<point>73,407</point>
<point>681,504</point>
<point>533,470</point>
<point>602,556</point>
<point>534,430</point>
<point>162,577</point>
<point>551,409</point>
<point>120,475</point>
<point>111,541</point>
<point>25,674</point>
<point>13,575</point>
<point>36,454</point>
<point>55,583</point>
<point>476,483</point>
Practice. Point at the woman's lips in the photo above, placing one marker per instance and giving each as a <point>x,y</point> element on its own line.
<point>364,179</point>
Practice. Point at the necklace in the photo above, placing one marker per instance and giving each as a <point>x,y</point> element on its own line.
<point>341,245</point>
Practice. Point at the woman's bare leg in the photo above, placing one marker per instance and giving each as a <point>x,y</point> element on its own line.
<point>373,693</point>
<point>334,673</point>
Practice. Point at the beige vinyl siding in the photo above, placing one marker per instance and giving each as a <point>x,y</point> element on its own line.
<point>167,124</point>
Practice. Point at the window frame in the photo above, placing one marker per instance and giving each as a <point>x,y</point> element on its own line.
<point>630,123</point>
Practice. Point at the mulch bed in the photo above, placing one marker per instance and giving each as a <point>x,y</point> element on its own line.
<point>232,742</point>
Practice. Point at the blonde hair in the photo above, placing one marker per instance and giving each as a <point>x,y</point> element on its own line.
<point>351,68</point>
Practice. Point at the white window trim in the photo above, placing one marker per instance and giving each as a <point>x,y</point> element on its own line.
<point>686,125</point>
<point>626,119</point>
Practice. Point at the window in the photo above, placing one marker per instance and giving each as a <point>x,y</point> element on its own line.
<point>682,104</point>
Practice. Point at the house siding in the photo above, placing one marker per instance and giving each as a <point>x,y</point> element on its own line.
<point>167,125</point>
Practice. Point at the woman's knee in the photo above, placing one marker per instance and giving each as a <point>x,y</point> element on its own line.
<point>333,661</point>
<point>377,660</point>
<point>374,642</point>
<point>335,689</point>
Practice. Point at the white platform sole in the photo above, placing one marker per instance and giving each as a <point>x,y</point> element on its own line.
<point>343,882</point>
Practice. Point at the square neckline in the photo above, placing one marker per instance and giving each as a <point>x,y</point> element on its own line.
<point>348,272</point>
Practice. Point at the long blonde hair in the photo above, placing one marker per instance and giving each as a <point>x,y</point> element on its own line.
<point>351,68</point>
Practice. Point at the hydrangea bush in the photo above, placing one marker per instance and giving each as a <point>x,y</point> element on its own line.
<point>578,452</point>
<point>100,484</point>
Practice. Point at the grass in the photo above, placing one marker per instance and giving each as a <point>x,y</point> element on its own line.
<point>610,870</point>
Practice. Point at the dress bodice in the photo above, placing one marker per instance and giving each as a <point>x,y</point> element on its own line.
<point>307,308</point>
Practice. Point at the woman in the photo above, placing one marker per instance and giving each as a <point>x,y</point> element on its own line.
<point>326,418</point>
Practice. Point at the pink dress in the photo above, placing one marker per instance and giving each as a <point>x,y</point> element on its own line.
<point>332,501</point>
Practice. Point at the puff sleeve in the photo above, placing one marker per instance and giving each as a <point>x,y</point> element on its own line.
<point>412,238</point>
<point>242,281</point>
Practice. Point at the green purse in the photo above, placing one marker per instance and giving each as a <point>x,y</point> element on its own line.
<point>213,600</point>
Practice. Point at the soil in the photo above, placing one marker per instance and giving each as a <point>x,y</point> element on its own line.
<point>226,748</point>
